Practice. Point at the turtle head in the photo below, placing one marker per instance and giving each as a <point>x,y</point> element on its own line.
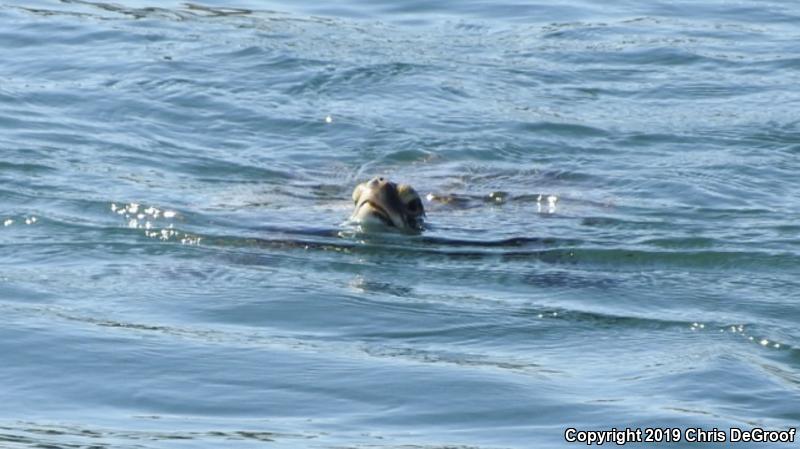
<point>380,201</point>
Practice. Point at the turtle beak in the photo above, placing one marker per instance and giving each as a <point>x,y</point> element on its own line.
<point>370,212</point>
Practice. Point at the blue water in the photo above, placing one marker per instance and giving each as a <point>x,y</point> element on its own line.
<point>175,271</point>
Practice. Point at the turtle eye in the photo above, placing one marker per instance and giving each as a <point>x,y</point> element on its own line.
<point>414,206</point>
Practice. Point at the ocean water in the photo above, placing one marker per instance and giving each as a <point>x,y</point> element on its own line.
<point>622,248</point>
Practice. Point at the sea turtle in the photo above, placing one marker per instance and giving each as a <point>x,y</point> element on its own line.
<point>382,202</point>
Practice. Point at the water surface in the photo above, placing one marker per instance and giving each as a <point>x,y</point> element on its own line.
<point>175,272</point>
